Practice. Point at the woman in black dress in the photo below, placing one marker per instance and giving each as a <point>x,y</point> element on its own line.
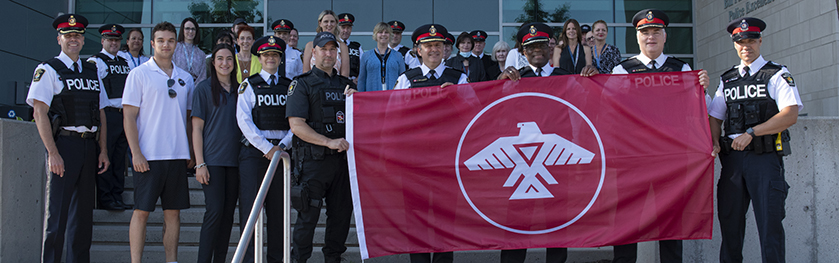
<point>570,55</point>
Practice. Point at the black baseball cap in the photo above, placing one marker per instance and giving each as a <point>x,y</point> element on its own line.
<point>322,38</point>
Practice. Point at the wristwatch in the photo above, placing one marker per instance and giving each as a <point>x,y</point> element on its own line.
<point>751,132</point>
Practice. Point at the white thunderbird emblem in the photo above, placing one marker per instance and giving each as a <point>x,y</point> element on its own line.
<point>528,154</point>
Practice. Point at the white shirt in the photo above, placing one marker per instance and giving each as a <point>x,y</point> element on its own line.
<point>49,85</point>
<point>132,61</point>
<point>293,62</point>
<point>244,109</point>
<point>161,121</point>
<point>514,59</point>
<point>403,83</point>
<point>411,61</point>
<point>546,70</point>
<point>659,61</point>
<point>778,88</point>
<point>102,70</point>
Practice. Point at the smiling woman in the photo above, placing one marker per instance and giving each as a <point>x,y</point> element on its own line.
<point>187,54</point>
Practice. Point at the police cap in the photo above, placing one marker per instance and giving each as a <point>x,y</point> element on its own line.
<point>396,26</point>
<point>111,31</point>
<point>346,19</point>
<point>449,39</point>
<point>429,33</point>
<point>268,44</point>
<point>747,27</point>
<point>282,25</point>
<point>478,35</point>
<point>70,23</point>
<point>533,33</point>
<point>650,18</point>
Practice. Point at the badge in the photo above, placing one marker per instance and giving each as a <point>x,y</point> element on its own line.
<point>38,74</point>
<point>743,25</point>
<point>243,87</point>
<point>181,81</point>
<point>72,21</point>
<point>271,41</point>
<point>788,78</point>
<point>532,30</point>
<point>650,16</point>
<point>114,29</point>
<point>347,17</point>
<point>339,117</point>
<point>291,87</point>
<point>282,23</point>
<point>432,31</point>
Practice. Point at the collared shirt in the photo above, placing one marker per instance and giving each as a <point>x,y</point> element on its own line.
<point>546,70</point>
<point>102,70</point>
<point>244,116</point>
<point>161,121</point>
<point>360,50</point>
<point>50,85</point>
<point>778,88</point>
<point>299,101</point>
<point>293,62</point>
<point>132,61</point>
<point>403,83</point>
<point>659,61</point>
<point>411,61</point>
<point>220,134</point>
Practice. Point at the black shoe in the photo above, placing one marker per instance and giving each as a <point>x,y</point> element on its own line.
<point>111,206</point>
<point>124,205</point>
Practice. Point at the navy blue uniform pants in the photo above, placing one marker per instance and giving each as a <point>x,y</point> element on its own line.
<point>111,183</point>
<point>552,255</point>
<point>252,168</point>
<point>439,257</point>
<point>220,197</point>
<point>670,251</point>
<point>758,178</point>
<point>328,178</point>
<point>69,201</point>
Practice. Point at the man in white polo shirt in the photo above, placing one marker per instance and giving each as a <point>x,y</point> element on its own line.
<point>156,103</point>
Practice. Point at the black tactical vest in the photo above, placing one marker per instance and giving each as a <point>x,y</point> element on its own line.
<point>114,82</point>
<point>404,50</point>
<point>327,115</point>
<point>633,65</point>
<point>418,80</point>
<point>355,58</point>
<point>269,105</point>
<point>78,102</point>
<point>747,99</point>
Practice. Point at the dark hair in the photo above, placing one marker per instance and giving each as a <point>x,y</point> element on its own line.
<point>246,28</point>
<point>125,46</point>
<point>463,37</point>
<point>215,84</point>
<point>197,38</point>
<point>223,35</point>
<point>163,26</point>
<point>564,37</point>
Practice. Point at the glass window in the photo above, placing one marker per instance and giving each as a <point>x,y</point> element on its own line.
<point>304,15</point>
<point>558,11</point>
<point>679,40</point>
<point>122,12</point>
<point>679,11</point>
<point>207,11</point>
<point>480,15</point>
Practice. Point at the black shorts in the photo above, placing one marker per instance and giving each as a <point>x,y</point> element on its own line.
<point>165,180</point>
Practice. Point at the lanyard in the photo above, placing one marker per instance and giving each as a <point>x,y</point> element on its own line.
<point>383,64</point>
<point>189,59</point>
<point>597,55</point>
<point>575,56</point>
<point>137,62</point>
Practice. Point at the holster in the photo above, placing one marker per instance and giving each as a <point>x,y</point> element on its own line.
<point>55,124</point>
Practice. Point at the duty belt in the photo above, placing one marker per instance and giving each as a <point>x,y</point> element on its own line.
<point>83,135</point>
<point>248,143</point>
<point>113,109</point>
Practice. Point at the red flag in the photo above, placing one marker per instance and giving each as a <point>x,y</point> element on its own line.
<point>559,161</point>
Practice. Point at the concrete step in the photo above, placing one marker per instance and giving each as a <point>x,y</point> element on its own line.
<point>189,217</point>
<point>111,253</point>
<point>189,235</point>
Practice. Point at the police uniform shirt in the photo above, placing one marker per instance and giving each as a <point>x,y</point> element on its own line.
<point>161,121</point>
<point>778,89</point>
<point>644,59</point>
<point>298,99</point>
<point>48,84</point>
<point>244,117</point>
<point>293,62</point>
<point>102,70</point>
<point>403,83</point>
<point>546,70</point>
<point>411,61</point>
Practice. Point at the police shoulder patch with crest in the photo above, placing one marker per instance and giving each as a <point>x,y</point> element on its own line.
<point>788,78</point>
<point>38,74</point>
<point>243,87</point>
<point>291,87</point>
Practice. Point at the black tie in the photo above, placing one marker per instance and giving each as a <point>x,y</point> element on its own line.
<point>272,80</point>
<point>539,72</point>
<point>433,76</point>
<point>76,67</point>
<point>746,69</point>
<point>653,63</point>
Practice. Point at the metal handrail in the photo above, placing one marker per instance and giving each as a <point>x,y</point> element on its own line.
<point>256,210</point>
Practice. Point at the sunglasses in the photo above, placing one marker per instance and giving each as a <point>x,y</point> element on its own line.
<point>590,38</point>
<point>172,92</point>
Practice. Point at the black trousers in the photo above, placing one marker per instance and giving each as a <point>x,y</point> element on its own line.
<point>758,178</point>
<point>327,178</point>
<point>220,196</point>
<point>111,183</point>
<point>69,201</point>
<point>439,257</point>
<point>670,251</point>
<point>252,168</point>
<point>552,255</point>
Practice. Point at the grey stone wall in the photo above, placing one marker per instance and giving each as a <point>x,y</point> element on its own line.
<point>22,178</point>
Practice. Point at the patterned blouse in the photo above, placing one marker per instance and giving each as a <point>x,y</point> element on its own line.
<point>190,58</point>
<point>605,59</point>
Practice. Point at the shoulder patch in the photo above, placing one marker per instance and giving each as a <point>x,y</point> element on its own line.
<point>91,61</point>
<point>788,78</point>
<point>291,87</point>
<point>38,74</point>
<point>243,87</point>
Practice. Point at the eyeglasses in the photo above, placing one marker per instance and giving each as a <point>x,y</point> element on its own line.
<point>172,92</point>
<point>189,28</point>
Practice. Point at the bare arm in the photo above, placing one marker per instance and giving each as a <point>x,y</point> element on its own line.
<point>202,175</point>
<point>715,124</point>
<point>307,57</point>
<point>132,135</point>
<point>345,59</point>
<point>191,162</point>
<point>555,57</point>
<point>42,121</point>
<point>103,142</point>
<point>778,123</point>
<point>306,133</point>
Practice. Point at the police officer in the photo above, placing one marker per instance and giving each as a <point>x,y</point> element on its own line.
<point>293,64</point>
<point>113,70</point>
<point>68,100</point>
<point>260,113</point>
<point>650,27</point>
<point>345,24</point>
<point>758,100</point>
<point>430,40</point>
<point>534,39</point>
<point>316,114</point>
<point>396,41</point>
<point>479,38</point>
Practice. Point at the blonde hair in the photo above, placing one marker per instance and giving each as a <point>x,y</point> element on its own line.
<point>320,18</point>
<point>381,26</point>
